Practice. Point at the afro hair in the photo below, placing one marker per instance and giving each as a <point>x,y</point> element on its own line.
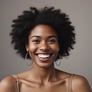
<point>56,19</point>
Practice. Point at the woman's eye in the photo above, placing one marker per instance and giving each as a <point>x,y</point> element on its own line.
<point>36,41</point>
<point>52,41</point>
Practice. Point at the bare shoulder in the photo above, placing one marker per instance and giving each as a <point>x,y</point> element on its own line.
<point>8,84</point>
<point>80,84</point>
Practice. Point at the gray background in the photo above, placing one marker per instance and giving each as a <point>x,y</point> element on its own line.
<point>80,12</point>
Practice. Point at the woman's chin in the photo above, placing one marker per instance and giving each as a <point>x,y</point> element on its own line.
<point>43,64</point>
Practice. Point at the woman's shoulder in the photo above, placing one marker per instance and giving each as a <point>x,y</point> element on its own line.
<point>80,84</point>
<point>7,84</point>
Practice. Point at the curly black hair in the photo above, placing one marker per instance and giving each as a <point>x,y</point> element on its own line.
<point>56,19</point>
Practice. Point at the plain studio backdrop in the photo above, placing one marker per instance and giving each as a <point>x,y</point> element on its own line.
<point>80,13</point>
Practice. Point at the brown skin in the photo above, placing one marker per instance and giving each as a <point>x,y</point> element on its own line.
<point>43,77</point>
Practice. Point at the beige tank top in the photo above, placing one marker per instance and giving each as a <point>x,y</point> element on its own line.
<point>69,89</point>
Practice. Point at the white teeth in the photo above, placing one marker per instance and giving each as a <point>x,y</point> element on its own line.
<point>43,56</point>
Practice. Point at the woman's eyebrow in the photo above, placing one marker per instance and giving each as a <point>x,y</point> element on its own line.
<point>35,36</point>
<point>51,36</point>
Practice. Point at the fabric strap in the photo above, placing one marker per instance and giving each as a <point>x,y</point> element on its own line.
<point>17,83</point>
<point>70,83</point>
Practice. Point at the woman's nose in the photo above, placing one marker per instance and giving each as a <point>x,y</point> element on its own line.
<point>44,46</point>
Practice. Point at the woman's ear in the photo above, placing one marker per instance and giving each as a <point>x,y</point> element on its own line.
<point>26,48</point>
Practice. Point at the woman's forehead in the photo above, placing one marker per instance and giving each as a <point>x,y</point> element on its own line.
<point>42,30</point>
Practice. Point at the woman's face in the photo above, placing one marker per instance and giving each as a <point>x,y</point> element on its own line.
<point>43,45</point>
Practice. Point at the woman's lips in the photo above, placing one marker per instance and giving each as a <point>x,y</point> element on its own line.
<point>44,57</point>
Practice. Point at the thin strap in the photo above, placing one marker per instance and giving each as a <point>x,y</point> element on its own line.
<point>70,83</point>
<point>17,83</point>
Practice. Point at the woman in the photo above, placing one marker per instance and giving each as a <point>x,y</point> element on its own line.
<point>43,36</point>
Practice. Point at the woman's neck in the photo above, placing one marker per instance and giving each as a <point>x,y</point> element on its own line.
<point>44,74</point>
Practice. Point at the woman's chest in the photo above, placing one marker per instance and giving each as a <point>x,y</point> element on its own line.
<point>55,88</point>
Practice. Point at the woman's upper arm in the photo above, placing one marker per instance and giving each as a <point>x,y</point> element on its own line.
<point>80,84</point>
<point>8,84</point>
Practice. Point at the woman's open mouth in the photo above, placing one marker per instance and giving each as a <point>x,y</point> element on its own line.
<point>44,57</point>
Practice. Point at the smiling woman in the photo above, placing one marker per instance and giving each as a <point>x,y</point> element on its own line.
<point>44,34</point>
<point>43,45</point>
